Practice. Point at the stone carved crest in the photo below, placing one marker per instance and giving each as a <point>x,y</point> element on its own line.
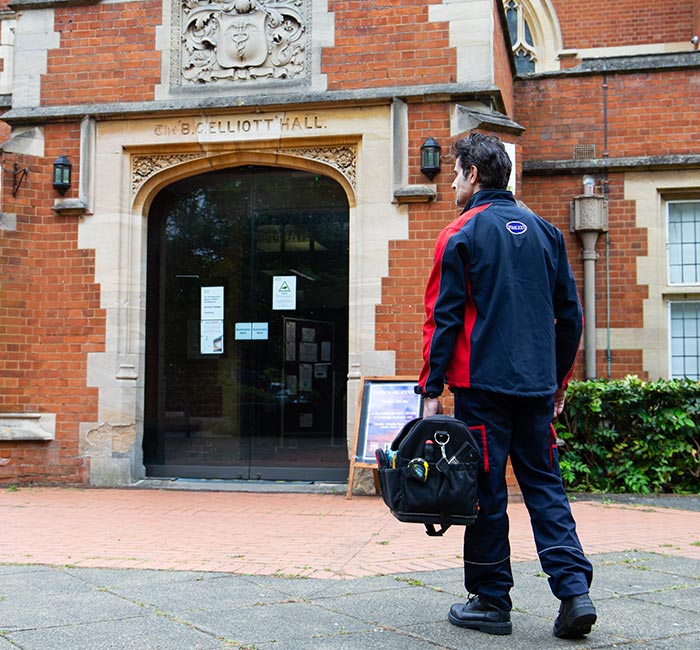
<point>242,40</point>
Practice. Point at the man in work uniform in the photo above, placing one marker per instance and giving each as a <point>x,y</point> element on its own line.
<point>502,329</point>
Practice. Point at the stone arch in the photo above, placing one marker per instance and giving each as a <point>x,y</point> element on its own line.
<point>152,172</point>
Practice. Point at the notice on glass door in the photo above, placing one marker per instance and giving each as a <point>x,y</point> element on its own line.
<point>211,324</point>
<point>212,303</point>
<point>284,292</point>
<point>211,337</point>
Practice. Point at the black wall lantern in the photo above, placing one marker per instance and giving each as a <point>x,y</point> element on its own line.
<point>61,175</point>
<point>430,158</point>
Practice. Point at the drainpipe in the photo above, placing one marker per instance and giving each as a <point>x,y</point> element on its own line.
<point>589,217</point>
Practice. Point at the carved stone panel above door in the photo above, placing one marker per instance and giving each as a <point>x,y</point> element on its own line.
<point>241,42</point>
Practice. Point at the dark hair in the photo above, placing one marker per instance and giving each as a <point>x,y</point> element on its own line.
<point>488,155</point>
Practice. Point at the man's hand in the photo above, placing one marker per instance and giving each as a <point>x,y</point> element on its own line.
<point>559,398</point>
<point>431,406</point>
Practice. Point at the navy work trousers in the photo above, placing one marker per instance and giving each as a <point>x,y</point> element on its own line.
<point>522,428</point>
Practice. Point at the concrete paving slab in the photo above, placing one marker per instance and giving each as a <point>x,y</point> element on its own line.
<point>34,609</point>
<point>122,634</point>
<point>396,609</point>
<point>683,599</point>
<point>35,583</point>
<point>10,569</point>
<point>640,620</point>
<point>315,588</point>
<point>385,612</point>
<point>680,642</point>
<point>450,581</point>
<point>216,594</point>
<point>282,622</point>
<point>370,640</point>
<point>126,578</point>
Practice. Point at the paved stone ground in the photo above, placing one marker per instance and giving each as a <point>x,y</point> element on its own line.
<point>183,570</point>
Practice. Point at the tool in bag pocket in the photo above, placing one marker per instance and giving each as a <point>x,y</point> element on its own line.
<point>428,475</point>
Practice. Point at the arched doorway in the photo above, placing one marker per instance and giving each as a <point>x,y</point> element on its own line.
<point>247,327</point>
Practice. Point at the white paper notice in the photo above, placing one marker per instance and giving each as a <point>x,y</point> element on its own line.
<point>211,339</point>
<point>284,292</point>
<point>259,331</point>
<point>308,352</point>
<point>305,377</point>
<point>212,306</point>
<point>510,150</point>
<point>244,331</point>
<point>326,351</point>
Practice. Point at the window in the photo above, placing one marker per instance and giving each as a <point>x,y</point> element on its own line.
<point>520,37</point>
<point>684,242</point>
<point>684,269</point>
<point>685,339</point>
<point>535,35</point>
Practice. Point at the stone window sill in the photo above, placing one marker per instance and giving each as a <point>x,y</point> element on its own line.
<point>27,426</point>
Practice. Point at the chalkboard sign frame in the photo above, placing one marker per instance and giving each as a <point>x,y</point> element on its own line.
<point>385,404</point>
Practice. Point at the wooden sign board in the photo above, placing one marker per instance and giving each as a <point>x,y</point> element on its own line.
<point>385,404</point>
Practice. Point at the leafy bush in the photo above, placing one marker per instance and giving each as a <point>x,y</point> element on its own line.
<point>628,435</point>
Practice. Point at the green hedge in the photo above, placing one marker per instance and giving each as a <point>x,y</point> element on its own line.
<point>628,435</point>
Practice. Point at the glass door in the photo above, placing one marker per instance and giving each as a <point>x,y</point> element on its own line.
<point>247,310</point>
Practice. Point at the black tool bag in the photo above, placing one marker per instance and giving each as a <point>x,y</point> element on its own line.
<point>429,473</point>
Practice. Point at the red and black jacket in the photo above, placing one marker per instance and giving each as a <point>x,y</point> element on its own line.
<point>502,311</point>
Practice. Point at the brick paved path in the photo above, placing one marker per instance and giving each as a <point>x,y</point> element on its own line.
<point>315,535</point>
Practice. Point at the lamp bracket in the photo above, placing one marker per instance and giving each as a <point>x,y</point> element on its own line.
<point>18,175</point>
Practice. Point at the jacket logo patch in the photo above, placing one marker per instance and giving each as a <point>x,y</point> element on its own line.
<point>516,227</point>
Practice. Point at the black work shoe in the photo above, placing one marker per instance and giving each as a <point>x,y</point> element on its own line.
<point>576,616</point>
<point>479,615</point>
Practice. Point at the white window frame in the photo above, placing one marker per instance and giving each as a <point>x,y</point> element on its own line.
<point>669,282</point>
<point>670,338</point>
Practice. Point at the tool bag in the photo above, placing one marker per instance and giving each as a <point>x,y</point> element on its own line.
<point>428,475</point>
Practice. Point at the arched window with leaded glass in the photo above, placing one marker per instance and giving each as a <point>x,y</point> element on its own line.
<point>534,35</point>
<point>520,38</point>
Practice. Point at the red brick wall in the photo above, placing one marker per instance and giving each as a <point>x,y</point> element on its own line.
<point>387,44</point>
<point>399,317</point>
<point>602,23</point>
<point>648,114</point>
<point>50,319</point>
<point>550,197</point>
<point>107,54</point>
<point>107,51</point>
